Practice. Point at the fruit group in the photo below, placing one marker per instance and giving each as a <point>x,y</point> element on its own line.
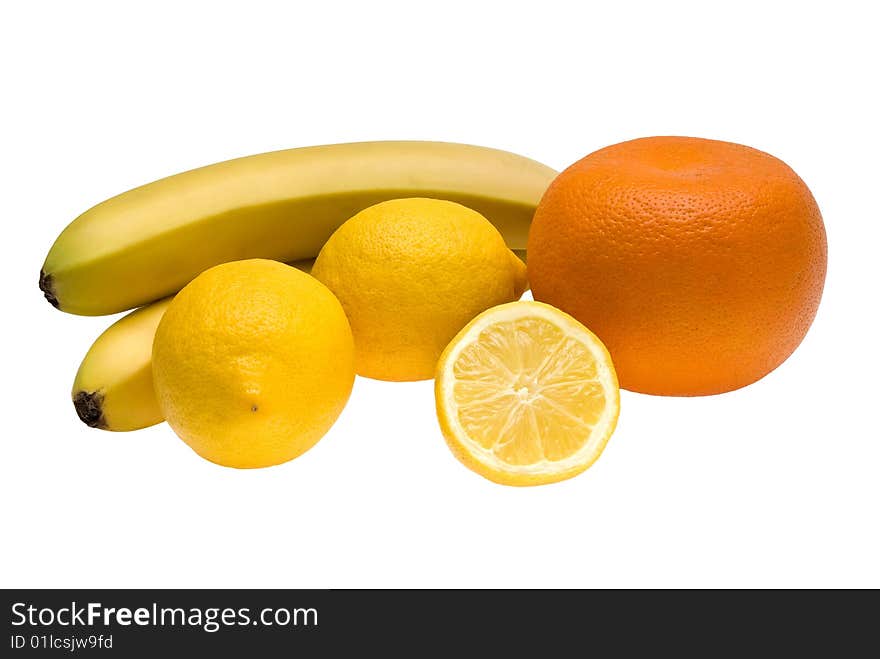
<point>253,361</point>
<point>526,395</point>
<point>113,388</point>
<point>410,273</point>
<point>699,263</point>
<point>147,243</point>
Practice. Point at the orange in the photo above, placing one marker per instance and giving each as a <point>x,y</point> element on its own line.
<point>698,263</point>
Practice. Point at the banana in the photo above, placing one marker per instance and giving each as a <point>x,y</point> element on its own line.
<point>113,388</point>
<point>147,243</point>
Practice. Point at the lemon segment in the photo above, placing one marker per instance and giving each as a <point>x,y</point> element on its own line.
<point>526,395</point>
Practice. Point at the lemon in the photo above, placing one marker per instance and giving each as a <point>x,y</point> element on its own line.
<point>410,273</point>
<point>253,362</point>
<point>526,395</point>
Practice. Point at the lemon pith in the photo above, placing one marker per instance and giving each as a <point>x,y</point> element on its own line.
<point>526,395</point>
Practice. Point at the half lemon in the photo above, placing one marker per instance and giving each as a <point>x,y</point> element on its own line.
<point>526,395</point>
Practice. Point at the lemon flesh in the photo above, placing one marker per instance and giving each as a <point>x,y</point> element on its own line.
<point>526,395</point>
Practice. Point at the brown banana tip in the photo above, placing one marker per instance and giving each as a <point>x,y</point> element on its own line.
<point>46,285</point>
<point>89,409</point>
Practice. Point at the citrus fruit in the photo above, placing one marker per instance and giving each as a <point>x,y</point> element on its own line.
<point>700,264</point>
<point>410,273</point>
<point>526,395</point>
<point>252,362</point>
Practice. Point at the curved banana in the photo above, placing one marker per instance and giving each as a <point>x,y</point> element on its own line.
<point>149,242</point>
<point>113,388</point>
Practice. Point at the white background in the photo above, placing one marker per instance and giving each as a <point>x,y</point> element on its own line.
<point>774,485</point>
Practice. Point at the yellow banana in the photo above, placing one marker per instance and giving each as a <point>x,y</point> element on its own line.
<point>149,242</point>
<point>113,388</point>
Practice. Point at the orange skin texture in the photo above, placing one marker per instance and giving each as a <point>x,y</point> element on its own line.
<point>700,264</point>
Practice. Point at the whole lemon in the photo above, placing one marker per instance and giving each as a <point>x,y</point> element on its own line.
<point>410,274</point>
<point>252,363</point>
